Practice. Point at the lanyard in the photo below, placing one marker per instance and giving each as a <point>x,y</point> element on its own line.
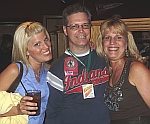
<point>89,59</point>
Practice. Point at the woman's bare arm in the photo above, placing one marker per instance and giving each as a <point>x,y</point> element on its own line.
<point>22,108</point>
<point>8,76</point>
<point>140,77</point>
<point>6,79</point>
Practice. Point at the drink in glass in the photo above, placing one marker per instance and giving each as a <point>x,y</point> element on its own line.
<point>36,94</point>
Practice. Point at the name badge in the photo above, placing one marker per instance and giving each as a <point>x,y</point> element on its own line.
<point>88,91</point>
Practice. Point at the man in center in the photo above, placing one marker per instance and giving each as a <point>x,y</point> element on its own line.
<point>77,79</point>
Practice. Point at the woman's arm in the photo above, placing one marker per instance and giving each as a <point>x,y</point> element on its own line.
<point>23,107</point>
<point>13,111</point>
<point>8,76</point>
<point>140,77</point>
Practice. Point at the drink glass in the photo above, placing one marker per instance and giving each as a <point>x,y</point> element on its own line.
<point>36,94</point>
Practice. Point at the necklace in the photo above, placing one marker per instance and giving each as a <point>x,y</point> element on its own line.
<point>37,75</point>
<point>117,72</point>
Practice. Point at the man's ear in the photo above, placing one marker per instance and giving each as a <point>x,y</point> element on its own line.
<point>65,30</point>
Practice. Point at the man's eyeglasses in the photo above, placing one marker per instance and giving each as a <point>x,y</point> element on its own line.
<point>76,26</point>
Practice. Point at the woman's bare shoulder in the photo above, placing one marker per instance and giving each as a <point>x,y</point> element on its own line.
<point>138,72</point>
<point>8,75</point>
<point>11,69</point>
<point>137,66</point>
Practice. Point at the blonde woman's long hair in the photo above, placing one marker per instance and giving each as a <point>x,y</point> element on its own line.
<point>22,36</point>
<point>121,28</point>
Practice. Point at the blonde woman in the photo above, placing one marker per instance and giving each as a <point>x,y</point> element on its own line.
<point>32,47</point>
<point>126,96</point>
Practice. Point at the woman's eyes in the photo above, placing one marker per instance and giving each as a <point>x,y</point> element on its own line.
<point>46,39</point>
<point>107,38</point>
<point>36,44</point>
<point>39,42</point>
<point>118,37</point>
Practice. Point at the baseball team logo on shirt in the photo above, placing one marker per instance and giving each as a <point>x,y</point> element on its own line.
<point>75,84</point>
<point>70,66</point>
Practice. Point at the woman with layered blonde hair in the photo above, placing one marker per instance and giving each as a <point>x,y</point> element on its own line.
<point>32,47</point>
<point>121,28</point>
<point>129,83</point>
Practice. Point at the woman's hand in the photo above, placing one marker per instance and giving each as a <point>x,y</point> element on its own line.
<point>26,105</point>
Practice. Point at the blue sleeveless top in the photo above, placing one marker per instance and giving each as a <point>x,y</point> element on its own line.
<point>30,83</point>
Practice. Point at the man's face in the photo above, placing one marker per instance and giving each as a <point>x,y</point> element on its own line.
<point>78,30</point>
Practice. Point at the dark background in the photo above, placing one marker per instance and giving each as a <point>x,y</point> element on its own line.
<point>35,9</point>
<point>13,12</point>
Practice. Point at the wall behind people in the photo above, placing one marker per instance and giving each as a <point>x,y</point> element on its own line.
<point>31,9</point>
<point>6,42</point>
<point>35,9</point>
<point>8,29</point>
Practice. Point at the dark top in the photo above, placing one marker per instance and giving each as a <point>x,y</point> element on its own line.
<point>123,100</point>
<point>66,103</point>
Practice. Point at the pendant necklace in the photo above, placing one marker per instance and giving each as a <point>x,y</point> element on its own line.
<point>37,75</point>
